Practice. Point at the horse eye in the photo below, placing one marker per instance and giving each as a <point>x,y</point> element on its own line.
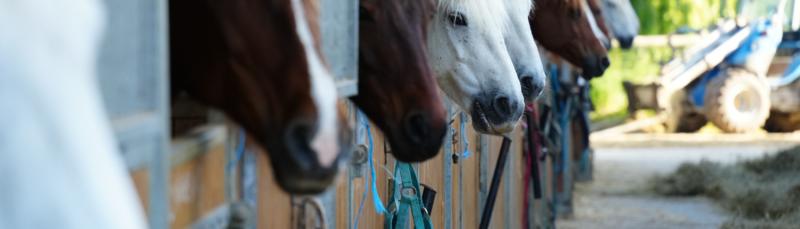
<point>364,15</point>
<point>457,19</point>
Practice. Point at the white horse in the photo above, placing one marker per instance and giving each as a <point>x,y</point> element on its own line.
<point>522,48</point>
<point>59,167</point>
<point>622,20</point>
<point>469,57</point>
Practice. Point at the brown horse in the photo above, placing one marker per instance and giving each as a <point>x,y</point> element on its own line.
<point>597,12</point>
<point>566,28</point>
<point>258,61</point>
<point>397,89</point>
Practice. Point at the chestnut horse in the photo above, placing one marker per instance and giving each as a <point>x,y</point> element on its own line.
<point>259,62</point>
<point>599,17</point>
<point>468,54</point>
<point>568,28</point>
<point>397,89</point>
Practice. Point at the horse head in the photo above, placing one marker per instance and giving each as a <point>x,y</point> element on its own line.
<point>469,57</point>
<point>568,28</point>
<point>523,50</point>
<point>624,22</point>
<point>597,12</point>
<point>259,62</point>
<point>397,89</point>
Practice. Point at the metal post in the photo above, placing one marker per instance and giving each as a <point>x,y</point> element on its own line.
<point>533,153</point>
<point>496,177</point>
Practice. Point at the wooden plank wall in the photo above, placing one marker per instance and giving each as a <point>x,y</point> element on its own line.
<point>198,185</point>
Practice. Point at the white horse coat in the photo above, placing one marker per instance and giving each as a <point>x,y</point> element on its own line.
<point>522,48</point>
<point>469,56</point>
<point>621,19</point>
<point>59,167</point>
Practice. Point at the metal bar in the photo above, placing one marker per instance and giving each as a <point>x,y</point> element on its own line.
<point>461,194</point>
<point>160,168</point>
<point>339,33</point>
<point>483,170</point>
<point>533,154</point>
<point>486,217</point>
<point>509,186</point>
<point>231,192</point>
<point>448,171</point>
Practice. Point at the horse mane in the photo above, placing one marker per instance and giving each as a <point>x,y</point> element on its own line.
<point>488,15</point>
<point>520,5</point>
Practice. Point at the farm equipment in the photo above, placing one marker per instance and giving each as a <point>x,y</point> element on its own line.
<point>723,79</point>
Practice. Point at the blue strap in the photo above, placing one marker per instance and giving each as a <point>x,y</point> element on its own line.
<point>376,198</point>
<point>240,148</point>
<point>464,139</point>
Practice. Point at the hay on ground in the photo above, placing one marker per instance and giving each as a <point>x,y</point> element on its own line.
<point>761,193</point>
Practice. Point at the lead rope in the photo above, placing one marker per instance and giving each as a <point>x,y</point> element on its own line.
<point>240,148</point>
<point>376,199</point>
<point>464,139</point>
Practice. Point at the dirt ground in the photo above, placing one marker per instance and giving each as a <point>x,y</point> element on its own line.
<point>618,196</point>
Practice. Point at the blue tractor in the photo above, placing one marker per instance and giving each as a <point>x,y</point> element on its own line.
<point>726,78</point>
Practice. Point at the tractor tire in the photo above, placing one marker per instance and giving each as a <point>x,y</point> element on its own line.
<point>738,101</point>
<point>681,118</point>
<point>782,122</point>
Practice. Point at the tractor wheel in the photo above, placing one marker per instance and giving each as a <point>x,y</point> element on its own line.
<point>681,118</point>
<point>782,122</point>
<point>738,101</point>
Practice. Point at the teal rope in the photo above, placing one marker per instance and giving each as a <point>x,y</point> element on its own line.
<point>376,198</point>
<point>373,187</point>
<point>240,148</point>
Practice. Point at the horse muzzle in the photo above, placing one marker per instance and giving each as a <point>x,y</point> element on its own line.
<point>303,167</point>
<point>420,137</point>
<point>595,66</point>
<point>625,42</point>
<point>532,86</point>
<point>496,115</point>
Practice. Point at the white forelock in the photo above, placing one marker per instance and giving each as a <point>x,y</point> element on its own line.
<point>485,15</point>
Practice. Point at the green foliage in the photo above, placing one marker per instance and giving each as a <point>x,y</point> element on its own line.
<point>665,16</point>
<point>638,65</point>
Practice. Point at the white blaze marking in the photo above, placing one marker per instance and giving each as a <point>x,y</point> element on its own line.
<point>593,23</point>
<point>323,91</point>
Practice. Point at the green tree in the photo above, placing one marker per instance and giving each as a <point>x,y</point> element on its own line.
<point>665,16</point>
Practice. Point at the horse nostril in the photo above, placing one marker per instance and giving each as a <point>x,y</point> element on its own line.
<point>625,42</point>
<point>531,88</point>
<point>527,85</point>
<point>604,62</point>
<point>504,106</point>
<point>416,128</point>
<point>298,141</point>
